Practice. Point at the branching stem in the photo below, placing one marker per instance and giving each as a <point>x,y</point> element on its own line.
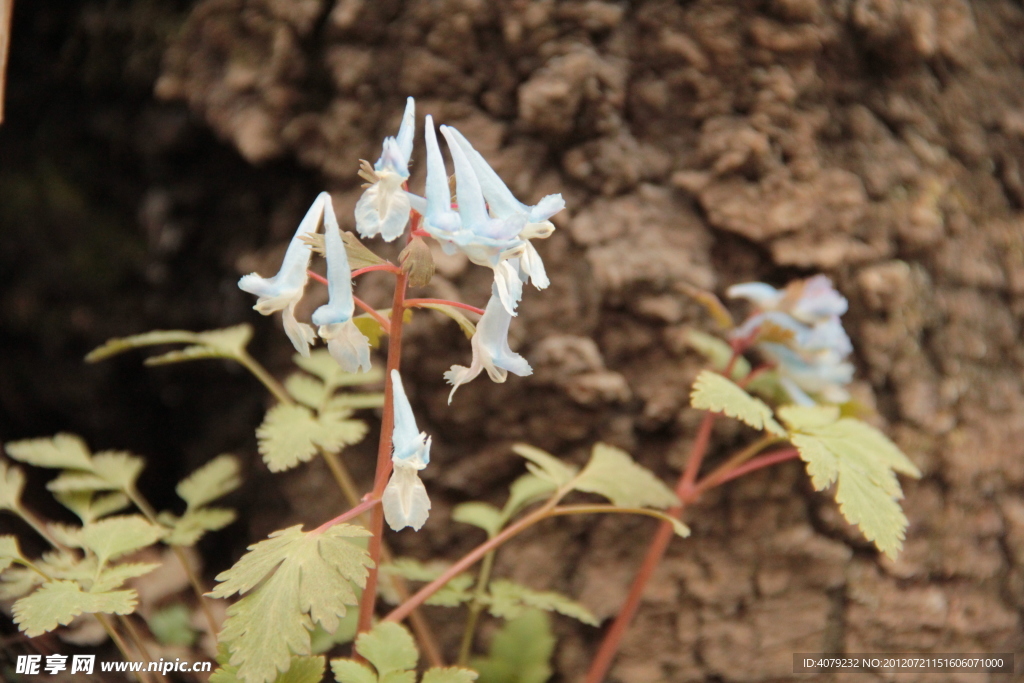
<point>443,302</point>
<point>272,385</point>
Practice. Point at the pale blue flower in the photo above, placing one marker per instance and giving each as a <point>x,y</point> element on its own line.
<point>490,226</point>
<point>491,351</point>
<point>812,361</point>
<point>346,344</point>
<point>405,500</point>
<point>283,291</point>
<point>384,207</point>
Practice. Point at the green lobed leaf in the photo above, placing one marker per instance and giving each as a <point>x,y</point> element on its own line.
<point>306,578</point>
<point>61,451</point>
<point>216,478</point>
<point>9,551</point>
<point>520,652</point>
<point>449,674</point>
<point>864,462</point>
<point>714,392</point>
<point>355,401</point>
<point>351,671</point>
<point>90,506</point>
<point>300,670</point>
<point>115,576</point>
<point>58,602</point>
<point>71,536</point>
<point>456,314</point>
<point>525,490</point>
<point>229,342</point>
<point>718,352</point>
<point>545,465</point>
<point>509,600</point>
<point>804,418</point>
<point>389,647</point>
<point>12,483</point>
<point>320,363</point>
<point>321,641</point>
<point>453,594</point>
<point>616,476</point>
<point>193,525</point>
<point>172,625</point>
<point>481,515</point>
<point>115,536</point>
<point>307,390</point>
<point>291,434</point>
<point>111,471</point>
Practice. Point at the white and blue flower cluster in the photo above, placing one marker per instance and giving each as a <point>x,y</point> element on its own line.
<point>812,360</point>
<point>282,292</point>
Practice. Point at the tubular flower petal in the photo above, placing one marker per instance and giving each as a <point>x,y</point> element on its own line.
<point>346,344</point>
<point>405,500</point>
<point>384,207</point>
<point>812,361</point>
<point>283,291</point>
<point>491,351</point>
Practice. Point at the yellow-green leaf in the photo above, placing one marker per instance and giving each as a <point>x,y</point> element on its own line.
<point>229,342</point>
<point>525,490</point>
<point>300,670</point>
<point>114,576</point>
<point>616,476</point>
<point>389,647</point>
<point>480,515</point>
<point>172,625</point>
<point>863,461</point>
<point>307,390</point>
<point>520,652</point>
<point>216,478</point>
<point>545,465</point>
<point>304,578</point>
<point>9,551</point>
<point>115,536</point>
<point>456,314</point>
<point>714,392</point>
<point>110,471</point>
<point>509,600</point>
<point>448,674</point>
<point>291,434</point>
<point>58,602</point>
<point>803,418</point>
<point>12,483</point>
<point>718,352</point>
<point>193,525</point>
<point>61,451</point>
<point>351,671</point>
<point>90,506</point>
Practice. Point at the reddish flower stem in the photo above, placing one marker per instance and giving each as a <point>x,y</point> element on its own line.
<point>347,515</point>
<point>686,491</point>
<point>760,462</point>
<point>445,302</point>
<point>387,267</point>
<point>359,302</point>
<point>387,426</point>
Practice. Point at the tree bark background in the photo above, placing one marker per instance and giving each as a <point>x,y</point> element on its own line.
<point>153,152</point>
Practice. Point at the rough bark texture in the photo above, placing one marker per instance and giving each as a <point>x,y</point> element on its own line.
<point>702,143</point>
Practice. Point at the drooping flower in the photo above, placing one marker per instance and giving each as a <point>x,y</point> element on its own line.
<point>491,351</point>
<point>384,207</point>
<point>405,500</point>
<point>346,344</point>
<point>283,291</point>
<point>812,360</point>
<point>490,225</point>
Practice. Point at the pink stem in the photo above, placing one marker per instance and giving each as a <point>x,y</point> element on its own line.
<point>443,302</point>
<point>380,266</point>
<point>766,460</point>
<point>347,515</point>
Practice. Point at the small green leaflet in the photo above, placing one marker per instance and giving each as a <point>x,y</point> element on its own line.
<point>12,483</point>
<point>391,651</point>
<point>525,490</point>
<point>291,434</point>
<point>456,314</point>
<point>17,581</point>
<point>718,352</point>
<point>320,363</point>
<point>714,392</point>
<point>309,391</point>
<point>89,506</point>
<point>58,602</point>
<point>300,670</point>
<point>453,594</point>
<point>481,515</point>
<point>520,652</point>
<point>193,525</point>
<point>9,551</point>
<point>306,578</point>
<point>509,600</point>
<point>61,451</point>
<point>115,536</point>
<point>229,342</point>
<point>863,461</point>
<point>114,576</point>
<point>545,466</point>
<point>172,625</point>
<point>616,476</point>
<point>107,471</point>
<point>216,478</point>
